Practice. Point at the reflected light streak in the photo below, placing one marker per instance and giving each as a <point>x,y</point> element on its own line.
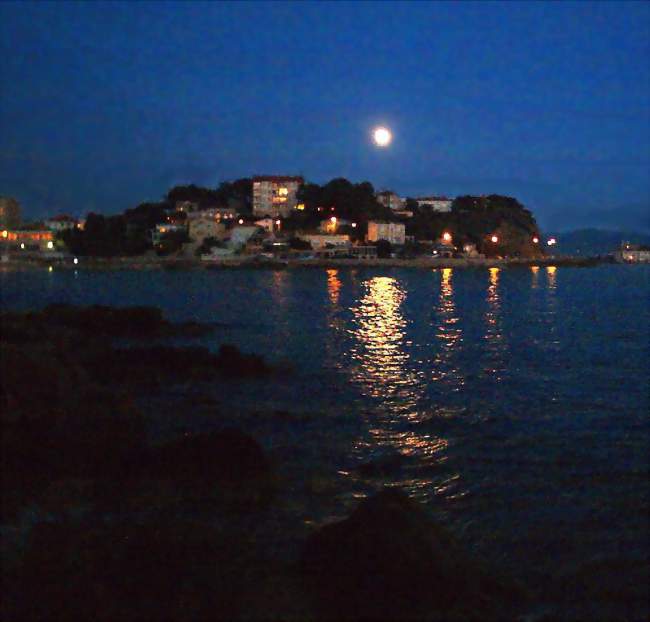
<point>550,275</point>
<point>333,286</point>
<point>448,332</point>
<point>380,334</point>
<point>384,371</point>
<point>494,337</point>
<point>535,272</point>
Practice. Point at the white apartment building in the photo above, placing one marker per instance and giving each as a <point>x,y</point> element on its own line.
<point>393,232</point>
<point>435,203</point>
<point>390,199</point>
<point>275,195</point>
<point>62,222</point>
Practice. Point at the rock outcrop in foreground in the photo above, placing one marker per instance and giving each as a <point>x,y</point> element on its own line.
<point>390,561</point>
<point>99,523</point>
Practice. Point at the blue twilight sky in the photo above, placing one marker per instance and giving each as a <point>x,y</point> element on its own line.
<point>103,106</point>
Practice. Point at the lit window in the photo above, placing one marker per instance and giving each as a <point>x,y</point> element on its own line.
<point>283,192</point>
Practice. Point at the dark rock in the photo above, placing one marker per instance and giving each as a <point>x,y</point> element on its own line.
<point>227,467</point>
<point>113,321</point>
<point>58,426</point>
<point>151,366</point>
<point>232,362</point>
<point>224,455</point>
<point>185,570</point>
<point>389,561</point>
<point>154,365</point>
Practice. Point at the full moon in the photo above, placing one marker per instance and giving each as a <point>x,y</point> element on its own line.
<point>382,136</point>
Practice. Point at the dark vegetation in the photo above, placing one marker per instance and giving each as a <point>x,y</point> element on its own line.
<point>104,525</point>
<point>343,199</point>
<point>474,220</point>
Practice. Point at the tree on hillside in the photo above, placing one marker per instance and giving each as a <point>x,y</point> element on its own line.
<point>479,218</point>
<point>341,198</point>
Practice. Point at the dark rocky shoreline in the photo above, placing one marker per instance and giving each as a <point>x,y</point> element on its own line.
<point>100,523</point>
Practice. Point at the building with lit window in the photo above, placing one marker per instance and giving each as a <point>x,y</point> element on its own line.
<point>632,253</point>
<point>216,213</point>
<point>393,232</point>
<point>166,229</point>
<point>275,195</point>
<point>39,241</point>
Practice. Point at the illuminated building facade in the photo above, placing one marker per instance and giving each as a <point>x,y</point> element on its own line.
<point>26,240</point>
<point>393,232</point>
<point>275,195</point>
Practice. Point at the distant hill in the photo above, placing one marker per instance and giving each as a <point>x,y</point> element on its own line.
<point>590,242</point>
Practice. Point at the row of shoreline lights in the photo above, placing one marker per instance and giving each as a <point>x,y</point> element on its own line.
<point>446,236</point>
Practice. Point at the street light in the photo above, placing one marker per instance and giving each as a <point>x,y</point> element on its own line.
<point>354,225</point>
<point>535,240</point>
<point>446,236</point>
<point>494,239</point>
<point>551,242</point>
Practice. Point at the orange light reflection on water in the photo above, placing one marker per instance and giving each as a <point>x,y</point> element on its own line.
<point>333,286</point>
<point>449,333</point>
<point>380,333</point>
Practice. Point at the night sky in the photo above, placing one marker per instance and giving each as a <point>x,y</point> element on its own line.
<point>103,106</point>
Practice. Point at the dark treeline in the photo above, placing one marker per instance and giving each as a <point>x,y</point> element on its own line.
<point>475,220</point>
<point>129,233</point>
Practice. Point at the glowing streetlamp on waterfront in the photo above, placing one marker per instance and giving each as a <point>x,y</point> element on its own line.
<point>535,240</point>
<point>75,261</point>
<point>354,225</point>
<point>494,239</point>
<point>446,236</point>
<point>551,242</point>
<point>333,220</point>
<point>241,221</point>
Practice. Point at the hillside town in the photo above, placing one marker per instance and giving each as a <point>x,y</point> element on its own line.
<point>280,218</point>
